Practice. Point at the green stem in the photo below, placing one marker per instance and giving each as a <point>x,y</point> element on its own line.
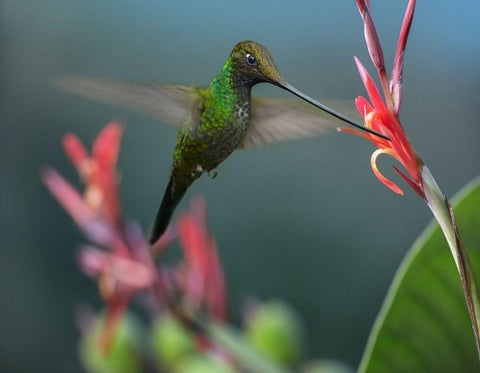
<point>443,212</point>
<point>234,343</point>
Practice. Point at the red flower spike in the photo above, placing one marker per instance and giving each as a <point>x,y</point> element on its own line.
<point>128,268</point>
<point>204,281</point>
<point>374,48</point>
<point>382,114</point>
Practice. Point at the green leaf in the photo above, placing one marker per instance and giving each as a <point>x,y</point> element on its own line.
<point>423,325</point>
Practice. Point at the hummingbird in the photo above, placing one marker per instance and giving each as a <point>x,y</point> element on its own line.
<point>216,119</point>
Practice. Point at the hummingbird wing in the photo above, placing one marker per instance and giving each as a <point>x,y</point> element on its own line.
<point>167,103</point>
<point>272,119</point>
<point>280,119</point>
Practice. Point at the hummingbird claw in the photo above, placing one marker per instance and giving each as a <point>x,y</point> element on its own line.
<point>213,173</point>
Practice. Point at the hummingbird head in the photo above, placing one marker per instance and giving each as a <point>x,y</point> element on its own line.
<point>255,64</point>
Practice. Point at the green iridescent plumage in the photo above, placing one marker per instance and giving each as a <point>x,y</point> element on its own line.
<point>209,135</point>
<point>215,128</point>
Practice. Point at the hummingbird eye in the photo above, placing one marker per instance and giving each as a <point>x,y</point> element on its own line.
<point>251,60</point>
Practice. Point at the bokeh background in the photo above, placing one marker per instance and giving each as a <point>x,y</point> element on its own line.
<point>305,221</point>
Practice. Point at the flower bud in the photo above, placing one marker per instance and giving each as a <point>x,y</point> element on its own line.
<point>276,330</point>
<point>170,341</point>
<point>124,354</point>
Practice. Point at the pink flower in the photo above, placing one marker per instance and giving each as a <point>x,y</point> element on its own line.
<point>119,279</point>
<point>126,268</point>
<point>98,171</point>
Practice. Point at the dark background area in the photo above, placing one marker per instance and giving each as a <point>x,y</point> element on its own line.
<point>304,221</point>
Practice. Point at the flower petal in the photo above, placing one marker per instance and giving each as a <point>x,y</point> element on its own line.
<point>107,146</point>
<point>77,154</point>
<point>105,153</point>
<point>369,84</point>
<point>354,132</point>
<point>131,273</point>
<point>417,188</point>
<point>93,261</point>
<point>363,106</point>
<point>377,173</point>
<point>71,200</point>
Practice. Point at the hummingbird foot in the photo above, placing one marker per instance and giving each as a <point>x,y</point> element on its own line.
<point>213,173</point>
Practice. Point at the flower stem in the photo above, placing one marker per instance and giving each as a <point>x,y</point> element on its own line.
<point>443,212</point>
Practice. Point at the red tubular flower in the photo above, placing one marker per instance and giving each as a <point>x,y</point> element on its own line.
<point>127,268</point>
<point>204,282</point>
<point>382,114</point>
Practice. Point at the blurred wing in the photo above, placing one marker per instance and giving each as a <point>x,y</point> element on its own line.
<point>167,103</point>
<point>276,119</point>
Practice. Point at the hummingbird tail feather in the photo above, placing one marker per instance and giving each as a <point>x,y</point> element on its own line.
<point>171,198</point>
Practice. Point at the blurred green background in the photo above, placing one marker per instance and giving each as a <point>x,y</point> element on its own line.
<point>305,221</point>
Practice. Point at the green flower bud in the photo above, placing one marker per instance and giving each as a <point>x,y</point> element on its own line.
<point>275,329</point>
<point>124,354</point>
<point>170,342</point>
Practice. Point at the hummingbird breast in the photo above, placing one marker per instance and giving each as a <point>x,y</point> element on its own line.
<point>228,134</point>
<point>211,134</point>
<point>222,134</point>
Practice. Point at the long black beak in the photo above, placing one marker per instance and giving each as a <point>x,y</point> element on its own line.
<point>303,96</point>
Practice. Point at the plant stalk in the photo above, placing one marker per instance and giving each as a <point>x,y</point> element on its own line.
<point>443,213</point>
